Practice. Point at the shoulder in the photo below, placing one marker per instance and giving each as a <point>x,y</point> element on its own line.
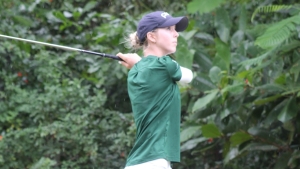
<point>155,62</point>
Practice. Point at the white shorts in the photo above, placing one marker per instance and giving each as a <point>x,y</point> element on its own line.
<point>155,164</point>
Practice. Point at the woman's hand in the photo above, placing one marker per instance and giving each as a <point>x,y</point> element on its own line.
<point>129,59</point>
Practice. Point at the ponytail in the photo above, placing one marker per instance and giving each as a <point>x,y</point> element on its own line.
<point>134,42</point>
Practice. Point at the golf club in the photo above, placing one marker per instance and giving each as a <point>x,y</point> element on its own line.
<point>63,47</point>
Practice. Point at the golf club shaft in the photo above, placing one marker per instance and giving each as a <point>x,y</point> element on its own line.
<point>63,47</point>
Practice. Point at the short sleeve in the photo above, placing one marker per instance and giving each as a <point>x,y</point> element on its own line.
<point>172,67</point>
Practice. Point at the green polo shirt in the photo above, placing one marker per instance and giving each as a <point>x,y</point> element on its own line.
<point>155,101</point>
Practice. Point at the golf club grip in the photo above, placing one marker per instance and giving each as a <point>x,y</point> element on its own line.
<point>102,54</point>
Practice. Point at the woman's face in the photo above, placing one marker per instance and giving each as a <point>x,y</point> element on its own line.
<point>166,39</point>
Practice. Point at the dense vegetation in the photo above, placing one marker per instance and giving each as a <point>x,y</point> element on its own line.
<point>62,109</point>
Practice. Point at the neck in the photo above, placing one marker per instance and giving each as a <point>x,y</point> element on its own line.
<point>152,49</point>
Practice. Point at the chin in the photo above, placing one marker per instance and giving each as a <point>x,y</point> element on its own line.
<point>171,52</point>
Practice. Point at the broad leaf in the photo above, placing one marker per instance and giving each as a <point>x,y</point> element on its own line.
<point>278,33</point>
<point>215,74</point>
<point>237,39</point>
<point>239,138</point>
<point>23,20</point>
<point>260,147</point>
<point>223,55</point>
<point>204,101</point>
<point>243,18</point>
<point>184,56</point>
<point>231,154</point>
<point>203,6</point>
<point>223,24</point>
<point>270,8</point>
<point>203,83</point>
<point>289,110</point>
<point>211,131</point>
<point>192,144</point>
<point>89,6</point>
<point>267,99</point>
<point>283,160</point>
<point>45,163</point>
<point>272,115</point>
<point>187,133</point>
<point>234,89</point>
<point>264,135</point>
<point>296,69</point>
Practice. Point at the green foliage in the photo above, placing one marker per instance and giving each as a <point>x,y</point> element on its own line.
<point>270,8</point>
<point>279,32</point>
<point>59,108</point>
<point>202,6</point>
<point>248,115</point>
<point>62,109</point>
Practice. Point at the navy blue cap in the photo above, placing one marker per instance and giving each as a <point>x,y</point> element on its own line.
<point>159,19</point>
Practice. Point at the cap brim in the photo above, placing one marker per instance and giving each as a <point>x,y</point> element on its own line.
<point>180,22</point>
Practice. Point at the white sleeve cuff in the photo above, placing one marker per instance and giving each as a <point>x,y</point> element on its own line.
<point>186,75</point>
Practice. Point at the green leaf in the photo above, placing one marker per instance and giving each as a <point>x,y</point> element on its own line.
<point>267,100</point>
<point>293,162</point>
<point>44,163</point>
<point>257,60</point>
<point>264,135</point>
<point>283,160</point>
<point>225,150</point>
<point>184,56</point>
<point>67,14</point>
<point>205,36</point>
<point>224,113</point>
<point>291,91</point>
<point>25,46</point>
<point>281,79</point>
<point>233,89</point>
<point>289,110</point>
<point>204,60</point>
<point>239,138</point>
<point>188,35</point>
<point>23,20</point>
<point>259,147</point>
<point>243,18</point>
<point>271,87</point>
<point>278,32</point>
<point>293,45</point>
<point>192,144</point>
<point>272,115</point>
<point>60,16</point>
<point>223,24</point>
<point>290,127</point>
<point>211,131</point>
<point>202,102</point>
<point>295,69</point>
<point>237,38</point>
<point>202,82</point>
<point>187,133</point>
<point>231,154</point>
<point>89,6</point>
<point>223,55</point>
<point>215,74</point>
<point>269,8</point>
<point>203,6</point>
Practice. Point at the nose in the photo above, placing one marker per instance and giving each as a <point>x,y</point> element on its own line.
<point>176,34</point>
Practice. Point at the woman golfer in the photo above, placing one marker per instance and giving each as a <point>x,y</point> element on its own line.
<point>153,91</point>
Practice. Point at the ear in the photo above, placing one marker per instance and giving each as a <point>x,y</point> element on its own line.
<point>151,36</point>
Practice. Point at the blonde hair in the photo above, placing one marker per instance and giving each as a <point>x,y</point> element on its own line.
<point>134,42</point>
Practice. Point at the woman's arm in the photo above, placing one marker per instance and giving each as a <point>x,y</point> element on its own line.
<point>186,75</point>
<point>129,59</point>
